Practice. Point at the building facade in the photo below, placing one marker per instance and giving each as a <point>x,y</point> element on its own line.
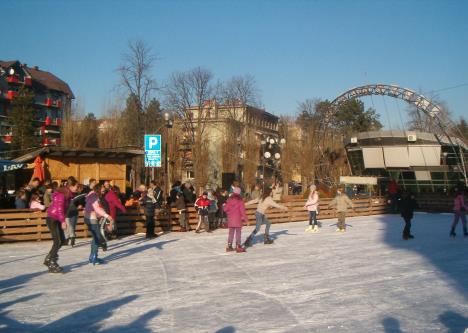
<point>231,132</point>
<point>418,161</point>
<point>52,98</point>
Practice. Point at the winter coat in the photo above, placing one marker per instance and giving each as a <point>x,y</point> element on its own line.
<point>58,207</point>
<point>341,202</point>
<point>277,193</point>
<point>36,205</point>
<point>459,203</point>
<point>149,204</point>
<point>93,208</point>
<point>221,201</point>
<point>407,207</point>
<point>188,195</point>
<point>235,210</point>
<point>312,202</point>
<point>180,203</point>
<point>213,207</point>
<point>114,203</point>
<point>78,200</point>
<point>202,204</point>
<point>263,205</point>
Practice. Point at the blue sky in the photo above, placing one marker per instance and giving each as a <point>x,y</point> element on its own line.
<point>294,49</point>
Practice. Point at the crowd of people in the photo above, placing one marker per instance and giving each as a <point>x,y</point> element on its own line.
<point>220,208</point>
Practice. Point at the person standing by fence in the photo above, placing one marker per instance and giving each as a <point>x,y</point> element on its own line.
<point>459,212</point>
<point>312,206</point>
<point>341,202</point>
<point>77,202</point>
<point>201,205</point>
<point>182,210</point>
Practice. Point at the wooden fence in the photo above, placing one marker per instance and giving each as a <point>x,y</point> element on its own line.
<point>26,225</point>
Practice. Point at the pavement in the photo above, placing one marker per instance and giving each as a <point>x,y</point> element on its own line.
<point>365,280</point>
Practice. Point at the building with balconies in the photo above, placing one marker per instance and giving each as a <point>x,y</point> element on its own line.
<point>52,98</point>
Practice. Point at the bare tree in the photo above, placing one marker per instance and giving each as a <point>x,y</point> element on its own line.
<point>187,94</point>
<point>136,71</point>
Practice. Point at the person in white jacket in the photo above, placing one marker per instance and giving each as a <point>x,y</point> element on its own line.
<point>312,206</point>
<point>264,202</point>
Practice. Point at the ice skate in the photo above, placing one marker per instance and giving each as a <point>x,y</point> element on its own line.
<point>229,248</point>
<point>309,229</point>
<point>248,241</point>
<point>452,233</point>
<point>267,240</point>
<point>315,229</point>
<point>55,268</point>
<point>239,249</point>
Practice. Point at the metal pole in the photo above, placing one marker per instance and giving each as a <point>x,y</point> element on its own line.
<point>263,168</point>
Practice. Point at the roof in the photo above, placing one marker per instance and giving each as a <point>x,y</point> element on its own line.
<point>80,152</point>
<point>47,79</point>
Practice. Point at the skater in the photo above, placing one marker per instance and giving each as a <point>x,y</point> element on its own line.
<point>235,210</point>
<point>312,206</point>
<point>222,198</point>
<point>78,201</point>
<point>201,205</point>
<point>182,209</point>
<point>459,211</point>
<point>341,202</point>
<point>407,206</point>
<point>113,202</point>
<point>56,224</point>
<point>212,210</point>
<point>264,202</point>
<point>93,212</point>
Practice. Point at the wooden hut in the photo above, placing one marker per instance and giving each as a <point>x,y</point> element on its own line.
<point>86,163</point>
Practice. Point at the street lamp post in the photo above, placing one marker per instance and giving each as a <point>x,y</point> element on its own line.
<point>270,152</point>
<point>168,125</point>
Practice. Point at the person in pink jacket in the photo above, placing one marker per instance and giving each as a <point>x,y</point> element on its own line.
<point>56,223</point>
<point>114,204</point>
<point>235,211</point>
<point>459,211</point>
<point>312,206</point>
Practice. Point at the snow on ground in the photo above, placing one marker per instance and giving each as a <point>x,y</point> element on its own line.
<point>366,280</point>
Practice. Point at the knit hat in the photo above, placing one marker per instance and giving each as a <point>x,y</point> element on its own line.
<point>236,190</point>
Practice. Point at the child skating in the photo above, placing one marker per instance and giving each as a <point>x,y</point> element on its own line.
<point>341,202</point>
<point>235,210</point>
<point>264,202</point>
<point>459,211</point>
<point>201,205</point>
<point>312,206</point>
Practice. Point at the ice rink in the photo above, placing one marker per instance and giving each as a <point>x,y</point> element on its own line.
<point>365,280</point>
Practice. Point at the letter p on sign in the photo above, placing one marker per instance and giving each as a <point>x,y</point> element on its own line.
<point>153,141</point>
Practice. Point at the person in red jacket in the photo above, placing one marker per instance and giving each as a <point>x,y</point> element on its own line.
<point>201,205</point>
<point>113,203</point>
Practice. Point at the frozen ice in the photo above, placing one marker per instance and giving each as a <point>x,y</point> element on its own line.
<point>365,280</point>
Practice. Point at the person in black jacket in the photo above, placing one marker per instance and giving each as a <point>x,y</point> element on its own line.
<point>71,216</point>
<point>152,200</point>
<point>407,206</point>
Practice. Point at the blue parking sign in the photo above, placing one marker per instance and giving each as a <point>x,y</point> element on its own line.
<point>153,150</point>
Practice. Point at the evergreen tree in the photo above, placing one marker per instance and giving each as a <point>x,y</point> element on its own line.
<point>153,118</point>
<point>90,125</point>
<point>22,120</point>
<point>350,117</point>
<point>131,123</point>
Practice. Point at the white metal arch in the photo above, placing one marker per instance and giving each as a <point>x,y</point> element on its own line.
<point>422,103</point>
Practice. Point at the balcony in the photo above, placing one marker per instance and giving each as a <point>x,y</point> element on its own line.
<point>27,81</point>
<point>48,102</point>
<point>12,79</point>
<point>7,138</point>
<point>11,94</point>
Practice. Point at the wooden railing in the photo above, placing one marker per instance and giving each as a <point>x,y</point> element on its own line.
<point>25,225</point>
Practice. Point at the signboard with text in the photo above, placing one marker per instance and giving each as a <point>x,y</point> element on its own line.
<point>153,150</point>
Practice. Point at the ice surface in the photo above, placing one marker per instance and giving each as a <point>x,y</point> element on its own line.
<point>366,280</point>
